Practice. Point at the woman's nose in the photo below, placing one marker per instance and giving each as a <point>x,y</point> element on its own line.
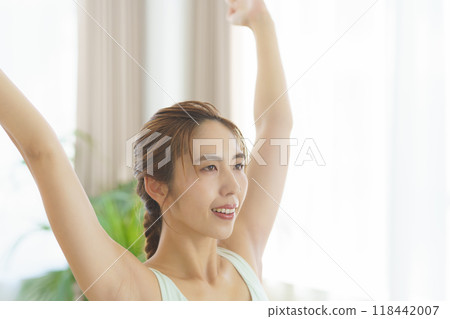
<point>230,183</point>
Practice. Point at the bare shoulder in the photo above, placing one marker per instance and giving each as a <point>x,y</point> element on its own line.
<point>240,243</point>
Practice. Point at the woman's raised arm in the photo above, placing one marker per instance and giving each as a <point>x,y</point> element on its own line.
<point>23,123</point>
<point>100,265</point>
<point>273,122</point>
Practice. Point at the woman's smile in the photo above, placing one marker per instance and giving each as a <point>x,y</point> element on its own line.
<point>227,215</point>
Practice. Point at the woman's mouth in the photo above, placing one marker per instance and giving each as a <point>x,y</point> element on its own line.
<point>224,213</point>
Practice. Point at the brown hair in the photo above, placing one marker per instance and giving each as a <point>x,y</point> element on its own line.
<point>177,123</point>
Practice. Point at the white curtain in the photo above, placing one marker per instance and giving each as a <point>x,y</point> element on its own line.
<point>370,88</point>
<point>188,54</point>
<point>110,89</point>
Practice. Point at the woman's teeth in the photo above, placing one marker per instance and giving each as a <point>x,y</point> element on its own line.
<point>224,211</point>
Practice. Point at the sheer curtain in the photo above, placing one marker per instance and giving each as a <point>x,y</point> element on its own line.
<point>110,89</point>
<point>188,58</point>
<point>370,88</point>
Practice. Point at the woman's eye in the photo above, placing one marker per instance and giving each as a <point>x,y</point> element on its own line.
<point>210,166</point>
<point>239,167</point>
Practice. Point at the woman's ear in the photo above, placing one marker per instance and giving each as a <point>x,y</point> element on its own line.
<point>156,190</point>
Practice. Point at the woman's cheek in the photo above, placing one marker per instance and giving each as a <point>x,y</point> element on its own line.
<point>243,181</point>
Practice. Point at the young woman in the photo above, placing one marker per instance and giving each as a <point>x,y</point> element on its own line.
<point>195,250</point>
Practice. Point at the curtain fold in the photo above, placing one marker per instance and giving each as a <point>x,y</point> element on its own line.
<point>110,90</point>
<point>188,45</point>
<point>211,54</point>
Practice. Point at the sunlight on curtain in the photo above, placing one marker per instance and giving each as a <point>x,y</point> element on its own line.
<point>38,52</point>
<point>340,73</point>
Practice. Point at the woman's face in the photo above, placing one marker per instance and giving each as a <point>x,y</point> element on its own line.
<point>207,184</point>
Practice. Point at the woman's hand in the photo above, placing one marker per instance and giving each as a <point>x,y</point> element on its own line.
<point>247,13</point>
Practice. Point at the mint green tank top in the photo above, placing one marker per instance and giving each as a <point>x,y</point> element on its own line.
<point>169,291</point>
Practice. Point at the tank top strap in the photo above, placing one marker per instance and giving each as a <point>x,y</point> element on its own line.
<point>247,273</point>
<point>169,291</point>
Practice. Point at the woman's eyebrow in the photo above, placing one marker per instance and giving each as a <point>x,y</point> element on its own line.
<point>212,157</point>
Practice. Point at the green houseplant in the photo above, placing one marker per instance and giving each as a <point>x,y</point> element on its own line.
<point>120,212</point>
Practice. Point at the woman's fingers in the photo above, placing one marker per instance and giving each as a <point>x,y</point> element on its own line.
<point>231,3</point>
<point>246,12</point>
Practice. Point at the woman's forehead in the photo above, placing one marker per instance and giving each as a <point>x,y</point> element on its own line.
<point>212,129</point>
<point>223,142</point>
<point>214,137</point>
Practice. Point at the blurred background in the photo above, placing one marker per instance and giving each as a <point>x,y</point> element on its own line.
<point>369,84</point>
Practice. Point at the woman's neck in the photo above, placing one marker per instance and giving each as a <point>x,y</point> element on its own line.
<point>188,257</point>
